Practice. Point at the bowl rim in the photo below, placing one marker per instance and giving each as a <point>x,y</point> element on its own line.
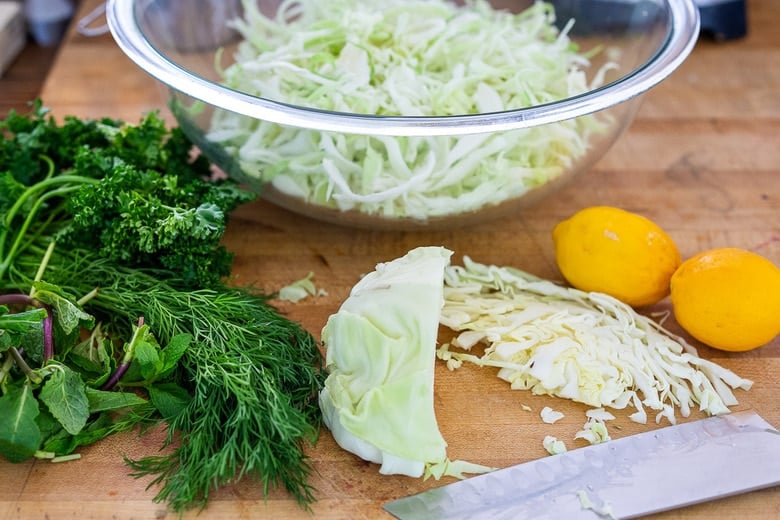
<point>680,41</point>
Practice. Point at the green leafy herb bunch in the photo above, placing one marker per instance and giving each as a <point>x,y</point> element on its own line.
<point>116,311</point>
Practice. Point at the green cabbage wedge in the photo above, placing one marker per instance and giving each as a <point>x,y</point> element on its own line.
<point>381,350</point>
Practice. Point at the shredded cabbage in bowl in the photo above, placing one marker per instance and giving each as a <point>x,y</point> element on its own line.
<point>410,58</point>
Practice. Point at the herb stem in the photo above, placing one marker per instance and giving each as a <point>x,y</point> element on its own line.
<point>48,334</point>
<point>126,360</point>
<point>5,369</point>
<point>66,458</point>
<point>87,297</point>
<point>15,299</point>
<point>42,185</point>
<point>52,457</point>
<point>51,166</point>
<point>44,261</point>
<point>24,367</point>
<point>40,454</point>
<point>33,211</point>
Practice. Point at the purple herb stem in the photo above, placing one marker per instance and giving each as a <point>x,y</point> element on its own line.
<point>122,368</point>
<point>48,321</point>
<point>48,335</point>
<point>15,299</point>
<point>116,376</point>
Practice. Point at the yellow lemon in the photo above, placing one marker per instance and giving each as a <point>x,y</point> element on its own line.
<point>728,298</point>
<point>613,251</point>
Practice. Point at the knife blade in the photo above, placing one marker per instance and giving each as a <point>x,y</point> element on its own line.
<point>655,471</point>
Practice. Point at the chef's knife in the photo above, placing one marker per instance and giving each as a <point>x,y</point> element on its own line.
<point>637,475</point>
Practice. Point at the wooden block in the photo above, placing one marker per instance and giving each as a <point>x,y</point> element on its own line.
<point>13,34</point>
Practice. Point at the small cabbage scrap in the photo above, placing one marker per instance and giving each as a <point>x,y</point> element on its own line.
<point>300,289</point>
<point>604,510</point>
<point>594,431</point>
<point>553,445</point>
<point>381,344</point>
<point>595,428</point>
<point>588,347</point>
<point>550,416</point>
<point>599,414</point>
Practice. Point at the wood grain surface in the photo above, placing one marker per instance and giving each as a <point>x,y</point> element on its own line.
<point>702,159</point>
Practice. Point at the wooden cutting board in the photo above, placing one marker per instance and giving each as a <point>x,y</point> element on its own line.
<point>702,159</point>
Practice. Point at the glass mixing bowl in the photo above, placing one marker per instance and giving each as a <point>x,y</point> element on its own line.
<point>405,114</point>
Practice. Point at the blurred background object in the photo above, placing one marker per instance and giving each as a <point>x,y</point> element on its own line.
<point>47,20</point>
<point>723,19</point>
<point>12,33</point>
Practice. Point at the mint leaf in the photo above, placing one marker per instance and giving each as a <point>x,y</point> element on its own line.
<point>64,444</point>
<point>92,358</point>
<point>101,400</point>
<point>67,314</point>
<point>169,399</point>
<point>60,442</point>
<point>48,425</point>
<point>173,352</point>
<point>22,329</point>
<point>147,355</point>
<point>68,318</point>
<point>21,322</point>
<point>19,434</point>
<point>65,395</point>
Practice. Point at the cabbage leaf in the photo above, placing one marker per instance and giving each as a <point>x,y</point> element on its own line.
<point>381,351</point>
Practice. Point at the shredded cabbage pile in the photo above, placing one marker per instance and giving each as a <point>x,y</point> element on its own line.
<point>412,58</point>
<point>588,347</point>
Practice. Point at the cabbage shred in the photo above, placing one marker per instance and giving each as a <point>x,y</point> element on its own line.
<point>411,58</point>
<point>588,347</point>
